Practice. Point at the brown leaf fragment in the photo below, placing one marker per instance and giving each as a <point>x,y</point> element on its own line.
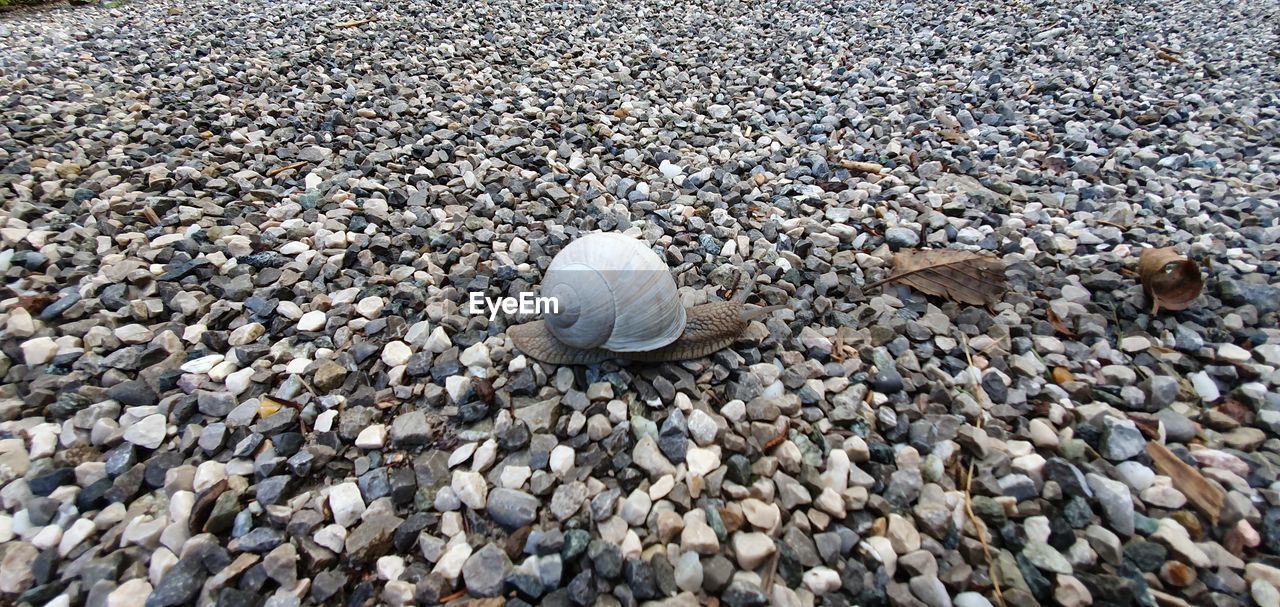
<point>1168,57</point>
<point>1055,164</point>
<point>1061,376</point>
<point>1172,281</point>
<point>1149,426</point>
<point>1058,325</point>
<point>1207,497</point>
<point>960,276</point>
<point>35,303</point>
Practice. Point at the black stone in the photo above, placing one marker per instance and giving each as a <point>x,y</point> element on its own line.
<point>406,535</point>
<point>261,540</point>
<point>180,585</point>
<point>234,597</point>
<point>513,437</point>
<point>582,589</point>
<point>606,559</point>
<point>1077,512</point>
<point>1040,585</point>
<point>526,585</point>
<point>1146,556</point>
<point>374,484</point>
<point>404,485</point>
<point>69,297</point>
<point>93,496</point>
<point>886,382</point>
<point>641,578</point>
<point>673,437</point>
<point>45,566</point>
<point>273,490</point>
<point>743,594</point>
<point>159,465</point>
<point>665,574</point>
<point>995,388</point>
<point>134,393</point>
<point>44,484</point>
<point>575,543</point>
<point>288,443</point>
<point>738,469</point>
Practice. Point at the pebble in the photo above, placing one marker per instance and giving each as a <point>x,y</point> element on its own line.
<point>132,593</point>
<point>148,432</point>
<point>312,321</point>
<point>561,460</point>
<point>752,549</point>
<point>346,503</point>
<point>471,489</point>
<point>485,570</point>
<point>373,437</point>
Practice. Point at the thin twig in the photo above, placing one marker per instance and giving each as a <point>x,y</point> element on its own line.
<point>978,525</point>
<point>767,580</point>
<point>981,528</point>
<point>346,24</point>
<point>453,597</point>
<point>287,167</point>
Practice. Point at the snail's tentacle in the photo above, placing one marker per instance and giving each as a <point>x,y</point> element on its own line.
<point>745,291</point>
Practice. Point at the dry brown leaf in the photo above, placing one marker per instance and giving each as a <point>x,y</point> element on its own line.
<point>1168,57</point>
<point>35,303</point>
<point>1204,495</point>
<point>1169,279</point>
<point>1055,164</point>
<point>961,276</point>
<point>1061,375</point>
<point>1058,325</point>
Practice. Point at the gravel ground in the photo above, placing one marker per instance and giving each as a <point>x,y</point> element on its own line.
<point>237,239</point>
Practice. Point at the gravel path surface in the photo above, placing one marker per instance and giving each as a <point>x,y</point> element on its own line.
<point>238,239</point>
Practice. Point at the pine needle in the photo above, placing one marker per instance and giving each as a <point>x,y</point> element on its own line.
<point>978,525</point>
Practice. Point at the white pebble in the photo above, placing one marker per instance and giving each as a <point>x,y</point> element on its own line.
<point>312,321</point>
<point>373,437</point>
<point>347,503</point>
<point>561,461</point>
<point>396,353</point>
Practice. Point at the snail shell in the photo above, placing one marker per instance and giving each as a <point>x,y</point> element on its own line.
<point>614,293</point>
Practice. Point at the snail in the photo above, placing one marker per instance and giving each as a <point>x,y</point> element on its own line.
<point>615,298</point>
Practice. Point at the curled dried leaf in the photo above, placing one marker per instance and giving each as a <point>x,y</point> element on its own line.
<point>1172,281</point>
